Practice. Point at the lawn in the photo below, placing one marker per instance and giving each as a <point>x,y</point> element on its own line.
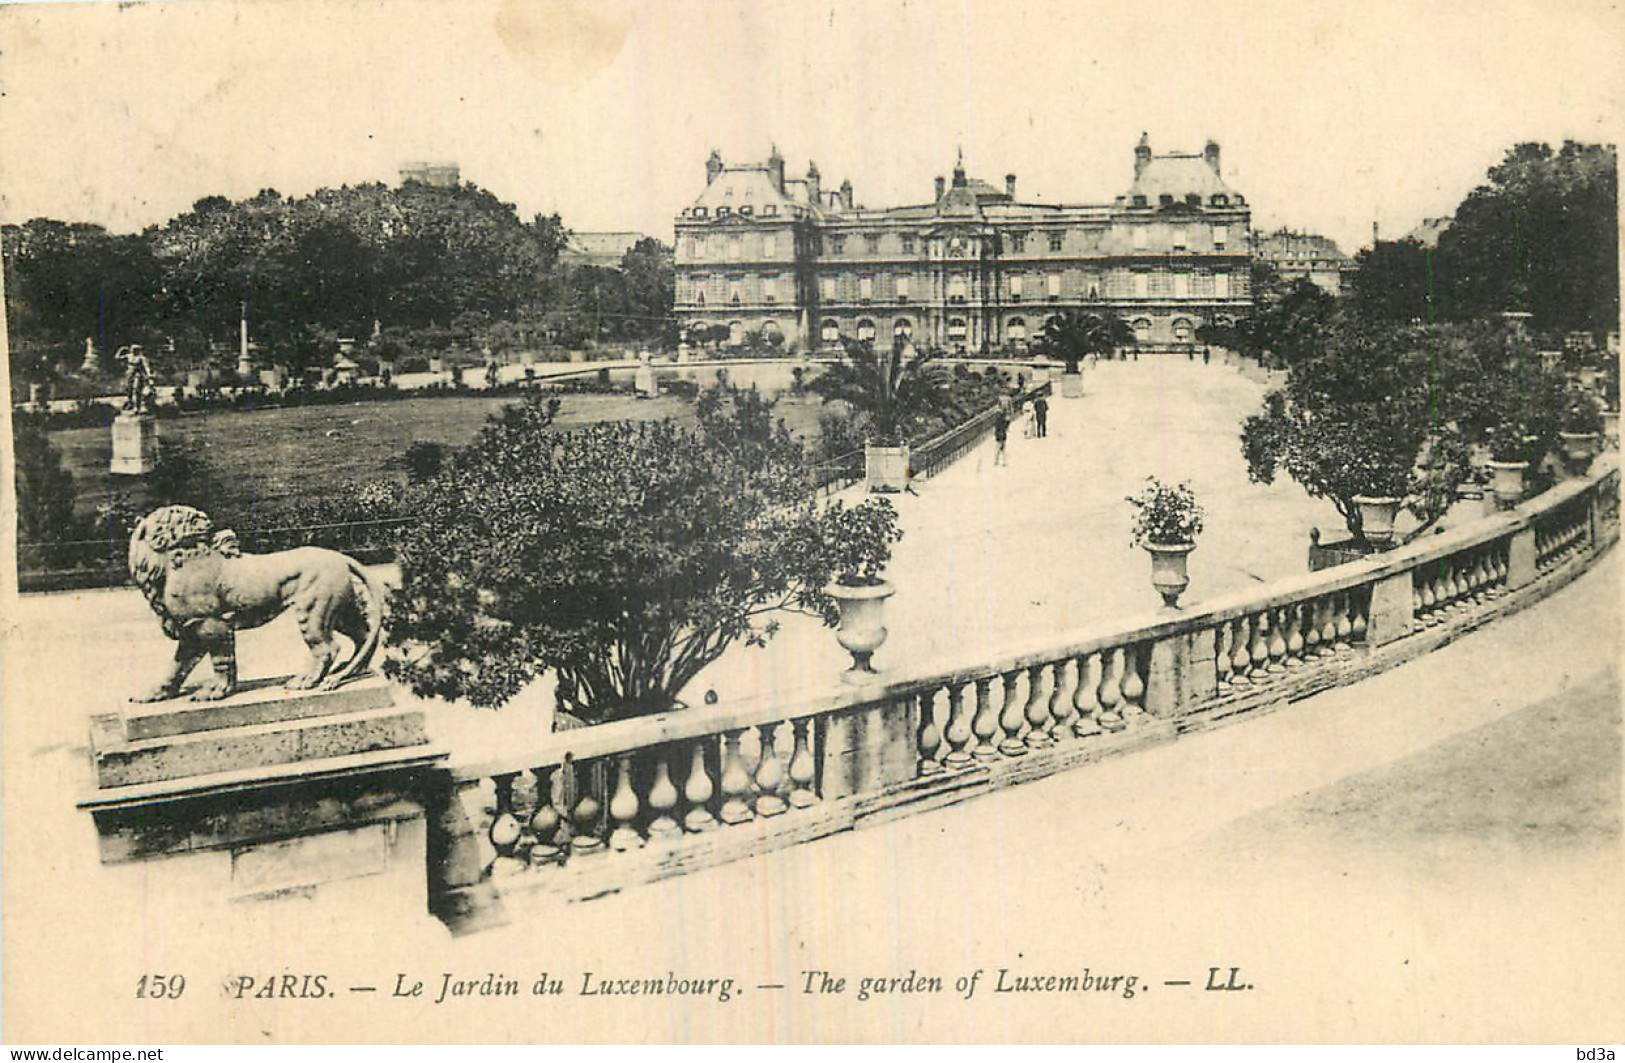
<point>264,459</point>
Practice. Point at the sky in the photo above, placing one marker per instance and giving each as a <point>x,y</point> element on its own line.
<point>1330,115</point>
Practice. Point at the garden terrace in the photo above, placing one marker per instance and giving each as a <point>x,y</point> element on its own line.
<point>598,809</point>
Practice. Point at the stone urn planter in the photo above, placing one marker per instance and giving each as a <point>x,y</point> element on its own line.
<point>1072,385</point>
<point>1578,450</point>
<point>1377,518</point>
<point>862,630</point>
<point>1508,481</point>
<point>1169,570</point>
<point>886,468</point>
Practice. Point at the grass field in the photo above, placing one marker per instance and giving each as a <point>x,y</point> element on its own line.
<point>266,458</point>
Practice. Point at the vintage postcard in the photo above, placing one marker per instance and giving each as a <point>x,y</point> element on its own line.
<point>811,521</point>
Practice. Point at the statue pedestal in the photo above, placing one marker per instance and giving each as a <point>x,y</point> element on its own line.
<point>135,445</point>
<point>268,793</point>
<point>644,381</point>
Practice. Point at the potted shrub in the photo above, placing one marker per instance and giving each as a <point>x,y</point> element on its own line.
<point>1071,337</point>
<point>1509,460</point>
<point>1384,481</point>
<point>1166,523</point>
<point>894,389</point>
<point>1581,430</point>
<point>857,544</point>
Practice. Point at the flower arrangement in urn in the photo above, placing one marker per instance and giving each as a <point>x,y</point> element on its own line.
<point>1511,450</point>
<point>1581,428</point>
<point>1167,520</point>
<point>856,545</point>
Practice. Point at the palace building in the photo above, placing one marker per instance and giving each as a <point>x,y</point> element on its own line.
<point>974,268</point>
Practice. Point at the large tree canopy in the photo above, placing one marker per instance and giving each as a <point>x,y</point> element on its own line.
<point>624,556</point>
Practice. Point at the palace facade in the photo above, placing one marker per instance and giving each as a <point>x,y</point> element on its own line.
<point>974,268</point>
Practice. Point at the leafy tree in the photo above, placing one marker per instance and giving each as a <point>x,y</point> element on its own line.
<point>650,286</point>
<point>1395,282</point>
<point>896,389</point>
<point>624,556</point>
<point>1072,336</point>
<point>1360,415</point>
<point>1541,235</point>
<point>45,491</point>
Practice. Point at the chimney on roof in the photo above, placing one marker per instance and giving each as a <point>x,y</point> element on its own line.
<point>846,194</point>
<point>713,166</point>
<point>1211,154</point>
<point>1142,154</point>
<point>942,185</point>
<point>1010,185</point>
<point>815,190</point>
<point>775,170</point>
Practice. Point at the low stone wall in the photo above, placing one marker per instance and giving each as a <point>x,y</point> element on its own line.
<point>605,808</point>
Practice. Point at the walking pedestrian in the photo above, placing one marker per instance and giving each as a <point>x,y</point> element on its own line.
<point>1041,415</point>
<point>1206,353</point>
<point>1001,435</point>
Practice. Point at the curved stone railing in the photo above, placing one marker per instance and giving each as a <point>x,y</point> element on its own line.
<point>601,808</point>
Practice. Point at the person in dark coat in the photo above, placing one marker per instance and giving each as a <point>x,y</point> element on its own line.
<point>1001,435</point>
<point>1041,416</point>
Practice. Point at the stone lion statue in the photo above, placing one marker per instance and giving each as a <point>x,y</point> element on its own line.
<point>205,589</point>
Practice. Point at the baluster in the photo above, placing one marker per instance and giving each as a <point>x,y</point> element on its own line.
<point>1345,626</point>
<point>1294,638</point>
<point>803,768</point>
<point>697,790</point>
<point>1060,702</point>
<point>1424,592</point>
<point>1110,692</point>
<point>1359,605</point>
<point>1133,682</point>
<point>735,781</point>
<point>985,724</point>
<point>959,732</point>
<point>1221,656</point>
<point>623,808</point>
<point>1441,594</point>
<point>1259,650</point>
<point>1501,568</point>
<point>588,810</point>
<point>1277,641</point>
<point>663,797</point>
<point>545,822</point>
<point>1481,577</point>
<point>1083,698</point>
<point>1011,717</point>
<point>769,774</point>
<point>1416,602</point>
<point>930,737</point>
<point>1311,630</point>
<point>1328,627</point>
<point>1240,659</point>
<point>1037,709</point>
<point>1457,585</point>
<point>505,829</point>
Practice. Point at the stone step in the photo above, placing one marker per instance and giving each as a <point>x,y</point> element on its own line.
<point>258,701</point>
<point>121,762</point>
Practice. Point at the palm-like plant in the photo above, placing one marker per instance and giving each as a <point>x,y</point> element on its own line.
<point>1071,336</point>
<point>894,389</point>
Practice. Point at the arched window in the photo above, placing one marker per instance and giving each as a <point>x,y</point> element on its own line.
<point>956,328</point>
<point>866,331</point>
<point>1182,330</point>
<point>902,328</point>
<point>771,328</point>
<point>1017,329</point>
<point>1142,330</point>
<point>736,333</point>
<point>831,332</point>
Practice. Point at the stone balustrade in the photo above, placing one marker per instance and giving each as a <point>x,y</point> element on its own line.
<point>598,809</point>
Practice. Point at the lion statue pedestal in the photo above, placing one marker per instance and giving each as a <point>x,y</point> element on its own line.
<point>258,771</point>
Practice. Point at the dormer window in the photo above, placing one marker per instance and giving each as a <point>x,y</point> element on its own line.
<point>724,211</point>
<point>1139,201</point>
<point>1165,200</point>
<point>1220,199</point>
<point>770,210</point>
<point>1193,200</point>
<point>699,212</point>
<point>746,211</point>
